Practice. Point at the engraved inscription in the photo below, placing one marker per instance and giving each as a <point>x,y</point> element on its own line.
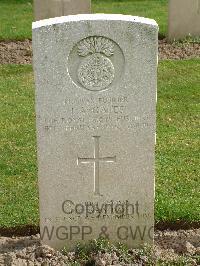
<point>97,112</point>
<point>96,160</point>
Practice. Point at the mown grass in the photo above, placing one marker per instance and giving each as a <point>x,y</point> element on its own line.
<point>177,154</point>
<point>18,183</point>
<point>16,16</point>
<point>178,149</point>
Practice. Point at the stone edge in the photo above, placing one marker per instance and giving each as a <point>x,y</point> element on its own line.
<point>93,17</point>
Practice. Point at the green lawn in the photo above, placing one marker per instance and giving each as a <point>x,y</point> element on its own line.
<point>178,146</point>
<point>18,185</point>
<point>177,184</point>
<point>16,15</point>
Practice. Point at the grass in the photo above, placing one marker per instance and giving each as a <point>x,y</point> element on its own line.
<point>16,15</point>
<point>178,143</point>
<point>18,184</point>
<point>177,183</point>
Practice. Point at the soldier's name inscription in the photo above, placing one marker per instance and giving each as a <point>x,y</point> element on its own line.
<point>96,113</point>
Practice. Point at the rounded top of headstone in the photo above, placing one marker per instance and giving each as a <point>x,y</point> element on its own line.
<point>93,17</point>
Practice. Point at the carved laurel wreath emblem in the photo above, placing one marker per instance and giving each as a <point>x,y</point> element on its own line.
<point>96,71</point>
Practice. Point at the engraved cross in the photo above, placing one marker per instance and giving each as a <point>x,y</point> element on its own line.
<point>96,161</point>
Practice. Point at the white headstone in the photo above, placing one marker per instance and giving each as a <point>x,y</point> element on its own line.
<point>44,9</point>
<point>184,19</point>
<point>96,119</point>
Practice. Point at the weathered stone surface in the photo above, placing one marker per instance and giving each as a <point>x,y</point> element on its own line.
<point>184,19</point>
<point>44,9</point>
<point>96,117</point>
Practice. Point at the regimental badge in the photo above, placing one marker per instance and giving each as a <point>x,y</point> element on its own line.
<point>96,63</point>
<point>96,71</point>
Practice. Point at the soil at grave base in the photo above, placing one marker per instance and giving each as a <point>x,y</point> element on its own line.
<point>20,52</point>
<point>16,52</point>
<point>170,247</point>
